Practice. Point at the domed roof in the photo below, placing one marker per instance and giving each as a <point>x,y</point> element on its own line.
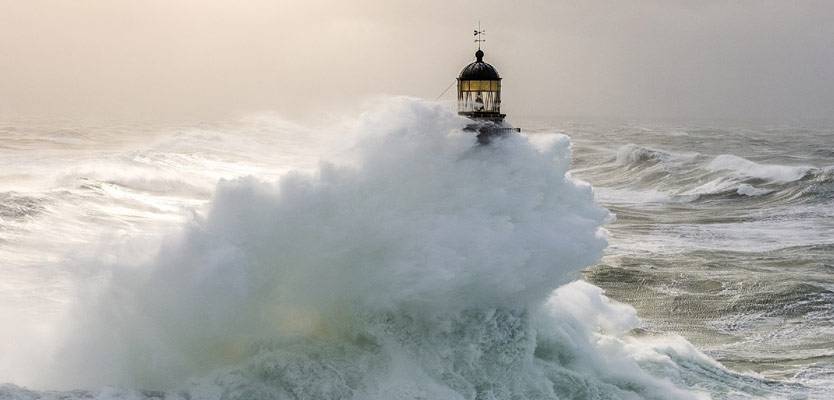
<point>479,70</point>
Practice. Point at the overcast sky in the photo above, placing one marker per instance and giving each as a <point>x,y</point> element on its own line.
<point>634,59</point>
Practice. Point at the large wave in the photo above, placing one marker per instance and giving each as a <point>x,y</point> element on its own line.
<point>422,266</point>
<point>643,174</point>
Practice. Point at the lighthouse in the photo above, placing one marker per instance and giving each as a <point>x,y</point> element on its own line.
<point>479,97</point>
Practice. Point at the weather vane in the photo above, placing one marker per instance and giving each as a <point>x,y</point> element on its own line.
<point>478,33</point>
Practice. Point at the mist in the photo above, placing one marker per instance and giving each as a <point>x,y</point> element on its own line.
<point>204,59</point>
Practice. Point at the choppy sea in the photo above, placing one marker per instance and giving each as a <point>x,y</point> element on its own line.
<point>388,256</point>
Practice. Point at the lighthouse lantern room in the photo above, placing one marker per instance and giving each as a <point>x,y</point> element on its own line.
<point>479,88</point>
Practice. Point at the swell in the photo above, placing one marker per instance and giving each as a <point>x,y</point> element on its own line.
<point>695,177</point>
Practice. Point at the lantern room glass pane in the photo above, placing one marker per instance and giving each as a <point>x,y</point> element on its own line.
<point>479,86</point>
<point>479,96</point>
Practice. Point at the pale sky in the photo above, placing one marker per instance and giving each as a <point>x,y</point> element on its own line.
<point>632,59</point>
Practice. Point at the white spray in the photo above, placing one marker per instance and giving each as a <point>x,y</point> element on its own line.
<point>425,267</point>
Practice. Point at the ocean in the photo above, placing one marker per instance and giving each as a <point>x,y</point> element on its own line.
<point>388,256</point>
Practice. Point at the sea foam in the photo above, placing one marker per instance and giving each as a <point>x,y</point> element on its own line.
<point>420,266</point>
<point>747,168</point>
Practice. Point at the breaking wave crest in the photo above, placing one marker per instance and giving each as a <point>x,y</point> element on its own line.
<point>422,266</point>
<point>690,177</point>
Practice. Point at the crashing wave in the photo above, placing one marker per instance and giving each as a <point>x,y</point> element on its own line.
<point>677,177</point>
<point>421,267</point>
<point>745,168</point>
